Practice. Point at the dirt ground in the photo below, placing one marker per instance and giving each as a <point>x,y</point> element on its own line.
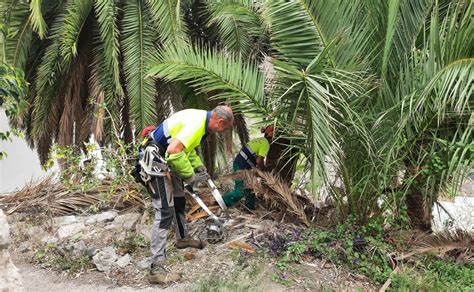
<point>217,267</point>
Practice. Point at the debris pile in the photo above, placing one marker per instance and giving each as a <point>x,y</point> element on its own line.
<point>51,196</point>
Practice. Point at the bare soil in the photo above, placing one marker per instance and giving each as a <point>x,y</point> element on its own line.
<point>215,267</point>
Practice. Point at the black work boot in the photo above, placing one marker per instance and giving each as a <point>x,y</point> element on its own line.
<point>161,275</point>
<point>189,242</point>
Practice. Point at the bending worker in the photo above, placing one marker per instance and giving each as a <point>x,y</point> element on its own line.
<point>177,138</point>
<point>252,155</point>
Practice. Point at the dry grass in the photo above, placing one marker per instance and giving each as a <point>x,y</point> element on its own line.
<point>452,243</point>
<point>51,196</point>
<point>276,194</point>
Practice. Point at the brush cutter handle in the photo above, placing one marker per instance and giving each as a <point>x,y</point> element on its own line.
<point>190,190</point>
<point>217,195</point>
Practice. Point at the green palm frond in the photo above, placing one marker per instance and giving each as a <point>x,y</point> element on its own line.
<point>237,23</point>
<point>405,21</point>
<point>308,106</point>
<point>75,19</point>
<point>107,19</point>
<point>436,120</point>
<point>138,50</point>
<point>292,32</point>
<point>64,36</point>
<point>217,74</point>
<point>48,72</point>
<point>348,24</point>
<point>168,18</point>
<point>19,37</point>
<point>36,17</point>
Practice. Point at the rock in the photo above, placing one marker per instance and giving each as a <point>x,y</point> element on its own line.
<point>16,217</point>
<point>106,216</point>
<point>111,227</point>
<point>90,220</point>
<point>145,230</point>
<point>69,230</point>
<point>76,248</point>
<point>48,239</point>
<point>127,221</point>
<point>24,247</point>
<point>143,264</point>
<point>34,231</point>
<point>90,252</point>
<point>10,279</point>
<point>123,261</point>
<point>64,220</point>
<point>4,231</point>
<point>105,259</point>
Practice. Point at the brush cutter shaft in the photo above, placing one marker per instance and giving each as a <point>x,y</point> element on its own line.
<point>201,203</point>
<point>217,195</point>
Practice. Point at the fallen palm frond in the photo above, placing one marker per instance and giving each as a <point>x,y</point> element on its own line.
<point>276,193</point>
<point>444,242</point>
<point>50,196</point>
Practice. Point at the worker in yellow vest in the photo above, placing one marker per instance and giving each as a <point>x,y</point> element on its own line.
<point>177,137</point>
<point>252,155</point>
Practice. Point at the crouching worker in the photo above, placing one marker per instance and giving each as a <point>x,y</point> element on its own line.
<point>176,138</point>
<point>252,155</point>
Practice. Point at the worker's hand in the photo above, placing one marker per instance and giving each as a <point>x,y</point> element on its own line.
<point>197,177</point>
<point>201,169</point>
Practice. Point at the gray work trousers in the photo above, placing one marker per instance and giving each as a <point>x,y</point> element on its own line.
<point>169,203</point>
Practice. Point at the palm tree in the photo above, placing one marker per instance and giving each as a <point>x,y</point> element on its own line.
<point>346,79</point>
<point>377,88</point>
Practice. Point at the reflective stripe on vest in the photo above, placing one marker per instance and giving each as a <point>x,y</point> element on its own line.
<point>248,156</point>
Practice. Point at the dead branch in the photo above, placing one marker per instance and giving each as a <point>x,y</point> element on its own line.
<point>276,193</point>
<point>51,196</point>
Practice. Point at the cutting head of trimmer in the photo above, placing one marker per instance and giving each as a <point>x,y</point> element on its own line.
<point>215,231</point>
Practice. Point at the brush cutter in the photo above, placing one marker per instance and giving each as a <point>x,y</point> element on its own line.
<point>215,228</point>
<point>152,164</point>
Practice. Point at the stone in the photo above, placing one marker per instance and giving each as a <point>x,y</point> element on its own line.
<point>34,231</point>
<point>91,220</point>
<point>24,247</point>
<point>64,220</point>
<point>48,239</point>
<point>106,216</point>
<point>69,230</point>
<point>105,259</point>
<point>4,231</point>
<point>90,252</point>
<point>123,261</point>
<point>143,264</point>
<point>145,231</point>
<point>75,248</point>
<point>127,221</point>
<point>16,217</point>
<point>10,279</point>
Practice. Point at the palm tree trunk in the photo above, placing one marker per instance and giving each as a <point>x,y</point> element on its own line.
<point>418,210</point>
<point>418,206</point>
<point>281,160</point>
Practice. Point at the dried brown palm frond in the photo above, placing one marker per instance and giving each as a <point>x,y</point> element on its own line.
<point>98,112</point>
<point>128,136</point>
<point>50,196</point>
<point>240,126</point>
<point>445,241</point>
<point>95,112</point>
<point>209,152</point>
<point>275,192</point>
<point>456,242</point>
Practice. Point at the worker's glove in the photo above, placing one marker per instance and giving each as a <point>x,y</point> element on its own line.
<point>201,169</point>
<point>197,177</point>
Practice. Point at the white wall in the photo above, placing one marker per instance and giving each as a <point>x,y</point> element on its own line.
<point>21,164</point>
